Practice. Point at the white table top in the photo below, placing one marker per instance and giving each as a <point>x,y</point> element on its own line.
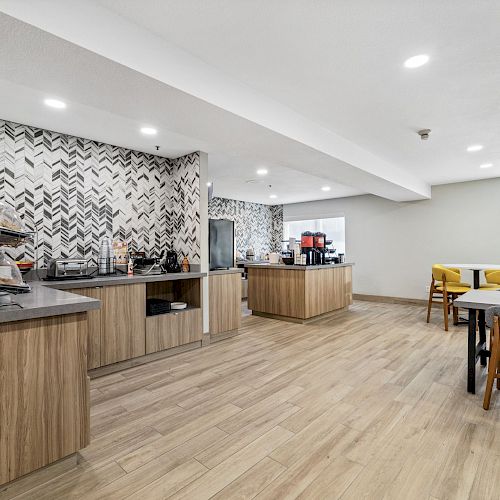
<point>478,299</point>
<point>474,267</point>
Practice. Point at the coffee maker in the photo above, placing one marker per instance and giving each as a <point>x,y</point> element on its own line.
<point>171,264</point>
<point>307,246</point>
<point>319,257</point>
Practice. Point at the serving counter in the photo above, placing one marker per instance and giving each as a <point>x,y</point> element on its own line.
<point>44,387</point>
<point>298,293</point>
<point>52,336</point>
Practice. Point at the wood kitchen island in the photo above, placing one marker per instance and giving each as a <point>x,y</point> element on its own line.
<point>298,293</point>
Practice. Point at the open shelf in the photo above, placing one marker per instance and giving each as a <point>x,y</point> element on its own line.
<point>188,291</point>
<point>175,311</point>
<point>11,238</point>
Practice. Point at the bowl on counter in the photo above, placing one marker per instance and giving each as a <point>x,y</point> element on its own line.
<point>288,260</point>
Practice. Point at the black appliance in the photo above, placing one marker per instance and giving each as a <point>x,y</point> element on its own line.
<point>156,306</point>
<point>172,262</point>
<point>221,237</point>
<point>147,265</point>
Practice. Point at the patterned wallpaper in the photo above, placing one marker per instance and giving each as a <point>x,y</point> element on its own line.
<point>255,226</point>
<point>75,191</point>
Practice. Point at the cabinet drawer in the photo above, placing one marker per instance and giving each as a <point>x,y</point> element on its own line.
<point>165,331</point>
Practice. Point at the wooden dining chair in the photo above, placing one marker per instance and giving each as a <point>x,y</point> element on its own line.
<point>492,320</point>
<point>445,284</point>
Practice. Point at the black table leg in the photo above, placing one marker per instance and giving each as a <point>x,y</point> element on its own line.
<point>471,357</point>
<point>476,279</point>
<point>482,336</point>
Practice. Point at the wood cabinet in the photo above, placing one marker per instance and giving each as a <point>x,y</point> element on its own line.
<point>94,327</point>
<point>120,330</point>
<point>280,292</point>
<point>299,294</point>
<point>327,290</point>
<point>224,302</point>
<point>165,331</point>
<point>116,331</point>
<point>123,310</point>
<point>44,392</point>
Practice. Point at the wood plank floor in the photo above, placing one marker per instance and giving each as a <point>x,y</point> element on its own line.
<point>370,403</point>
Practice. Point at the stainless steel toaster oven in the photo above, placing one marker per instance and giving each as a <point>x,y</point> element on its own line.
<point>67,269</point>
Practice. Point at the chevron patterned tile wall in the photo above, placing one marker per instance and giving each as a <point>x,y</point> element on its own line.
<point>75,191</point>
<point>185,206</point>
<point>255,226</point>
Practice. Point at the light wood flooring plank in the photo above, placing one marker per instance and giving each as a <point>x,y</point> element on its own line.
<point>370,403</point>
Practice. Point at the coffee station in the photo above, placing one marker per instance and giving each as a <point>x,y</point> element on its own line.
<point>313,249</point>
<point>306,281</point>
<point>72,322</point>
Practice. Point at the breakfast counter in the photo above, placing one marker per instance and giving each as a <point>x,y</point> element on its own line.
<point>52,338</point>
<point>298,293</point>
<point>44,387</point>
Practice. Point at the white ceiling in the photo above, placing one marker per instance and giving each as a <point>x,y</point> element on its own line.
<point>238,175</point>
<point>316,92</point>
<point>107,102</point>
<point>341,64</point>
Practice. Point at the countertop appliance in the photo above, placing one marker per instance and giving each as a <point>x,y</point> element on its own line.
<point>148,265</point>
<point>307,246</point>
<point>221,237</point>
<point>156,306</point>
<point>172,262</point>
<point>319,254</point>
<point>66,269</point>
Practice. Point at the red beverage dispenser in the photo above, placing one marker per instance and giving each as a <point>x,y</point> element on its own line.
<point>307,246</point>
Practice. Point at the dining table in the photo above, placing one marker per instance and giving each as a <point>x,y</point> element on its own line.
<point>476,269</point>
<point>476,302</point>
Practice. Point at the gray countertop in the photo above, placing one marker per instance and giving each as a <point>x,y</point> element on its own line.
<point>294,267</point>
<point>232,270</point>
<point>48,298</point>
<point>42,302</point>
<point>122,279</point>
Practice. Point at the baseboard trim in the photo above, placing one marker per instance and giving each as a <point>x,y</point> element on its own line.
<point>64,465</point>
<point>214,338</point>
<point>142,360</point>
<point>299,321</point>
<point>389,300</point>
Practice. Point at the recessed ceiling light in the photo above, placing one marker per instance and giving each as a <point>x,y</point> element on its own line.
<point>486,165</point>
<point>326,188</point>
<point>209,184</point>
<point>474,148</point>
<point>55,103</point>
<point>262,171</point>
<point>149,131</point>
<point>417,61</point>
<point>273,196</point>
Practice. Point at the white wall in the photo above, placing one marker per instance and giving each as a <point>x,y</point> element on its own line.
<point>394,245</point>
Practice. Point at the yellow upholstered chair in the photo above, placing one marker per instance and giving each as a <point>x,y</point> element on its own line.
<point>492,279</point>
<point>445,284</point>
